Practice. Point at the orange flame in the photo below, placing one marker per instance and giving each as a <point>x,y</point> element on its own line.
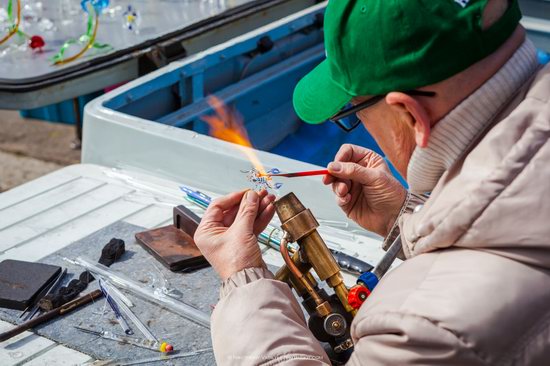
<point>227,125</point>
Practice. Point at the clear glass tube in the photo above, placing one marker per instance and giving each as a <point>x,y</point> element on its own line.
<point>113,292</point>
<point>117,295</point>
<point>334,223</point>
<point>125,283</point>
<point>144,343</point>
<point>337,233</point>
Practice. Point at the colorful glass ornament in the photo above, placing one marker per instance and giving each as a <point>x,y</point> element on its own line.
<point>87,39</point>
<point>98,5</point>
<point>262,181</point>
<point>131,19</point>
<point>36,42</point>
<point>13,28</point>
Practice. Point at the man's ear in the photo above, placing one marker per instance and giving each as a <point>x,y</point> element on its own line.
<point>419,117</point>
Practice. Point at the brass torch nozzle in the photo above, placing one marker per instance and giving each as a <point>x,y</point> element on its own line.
<point>301,227</point>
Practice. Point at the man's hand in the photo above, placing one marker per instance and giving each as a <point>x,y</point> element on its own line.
<point>228,233</point>
<point>365,188</point>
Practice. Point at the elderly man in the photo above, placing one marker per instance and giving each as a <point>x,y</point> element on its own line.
<point>452,92</point>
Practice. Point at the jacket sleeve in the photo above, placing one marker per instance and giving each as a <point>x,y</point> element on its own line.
<point>259,322</point>
<point>395,338</point>
<point>415,316</point>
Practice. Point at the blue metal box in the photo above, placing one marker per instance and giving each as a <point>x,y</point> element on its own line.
<point>256,77</point>
<point>254,74</point>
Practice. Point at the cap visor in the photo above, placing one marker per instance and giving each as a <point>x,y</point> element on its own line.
<point>316,97</point>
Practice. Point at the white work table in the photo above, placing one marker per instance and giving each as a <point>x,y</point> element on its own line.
<point>45,215</point>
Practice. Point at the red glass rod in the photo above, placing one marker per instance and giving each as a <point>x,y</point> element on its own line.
<point>300,174</point>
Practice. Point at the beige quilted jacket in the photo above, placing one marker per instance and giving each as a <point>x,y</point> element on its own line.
<point>475,289</point>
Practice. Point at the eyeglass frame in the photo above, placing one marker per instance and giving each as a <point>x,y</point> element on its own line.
<point>368,103</point>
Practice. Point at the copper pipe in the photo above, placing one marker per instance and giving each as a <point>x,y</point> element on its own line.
<point>296,272</point>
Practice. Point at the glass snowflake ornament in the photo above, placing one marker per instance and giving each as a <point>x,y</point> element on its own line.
<point>131,19</point>
<point>262,181</point>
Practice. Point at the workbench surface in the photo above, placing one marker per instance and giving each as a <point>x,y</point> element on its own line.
<point>47,214</point>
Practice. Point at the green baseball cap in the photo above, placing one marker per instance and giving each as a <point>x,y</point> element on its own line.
<point>377,46</point>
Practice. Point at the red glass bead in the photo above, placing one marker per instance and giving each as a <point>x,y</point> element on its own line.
<point>36,42</point>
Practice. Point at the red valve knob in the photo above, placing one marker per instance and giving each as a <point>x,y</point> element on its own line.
<point>357,296</point>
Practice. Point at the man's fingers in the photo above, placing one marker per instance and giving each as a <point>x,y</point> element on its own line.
<point>248,211</point>
<point>214,214</point>
<point>344,153</point>
<point>228,201</point>
<point>264,218</point>
<point>342,201</point>
<point>353,172</point>
<point>361,155</point>
<point>265,202</point>
<point>328,179</point>
<point>262,193</point>
<point>265,213</point>
<point>353,153</point>
<point>341,188</point>
<point>350,153</point>
<point>348,161</point>
<point>229,215</point>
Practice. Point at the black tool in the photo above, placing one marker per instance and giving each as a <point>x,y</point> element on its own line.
<point>40,295</point>
<point>58,281</point>
<point>62,310</point>
<point>351,264</point>
<point>110,253</point>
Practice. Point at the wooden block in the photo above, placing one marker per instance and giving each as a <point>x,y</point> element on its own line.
<point>174,248</point>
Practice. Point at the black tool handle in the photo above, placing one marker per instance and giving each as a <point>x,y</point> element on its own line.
<point>71,305</point>
<point>46,291</point>
<point>350,264</point>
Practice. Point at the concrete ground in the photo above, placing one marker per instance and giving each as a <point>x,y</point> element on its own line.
<point>31,148</point>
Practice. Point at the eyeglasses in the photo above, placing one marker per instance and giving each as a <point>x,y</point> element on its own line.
<point>347,119</point>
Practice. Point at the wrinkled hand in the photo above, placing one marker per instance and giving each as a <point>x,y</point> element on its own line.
<point>228,233</point>
<point>365,188</point>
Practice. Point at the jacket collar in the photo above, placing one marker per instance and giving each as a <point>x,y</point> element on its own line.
<point>462,127</point>
<point>493,198</point>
